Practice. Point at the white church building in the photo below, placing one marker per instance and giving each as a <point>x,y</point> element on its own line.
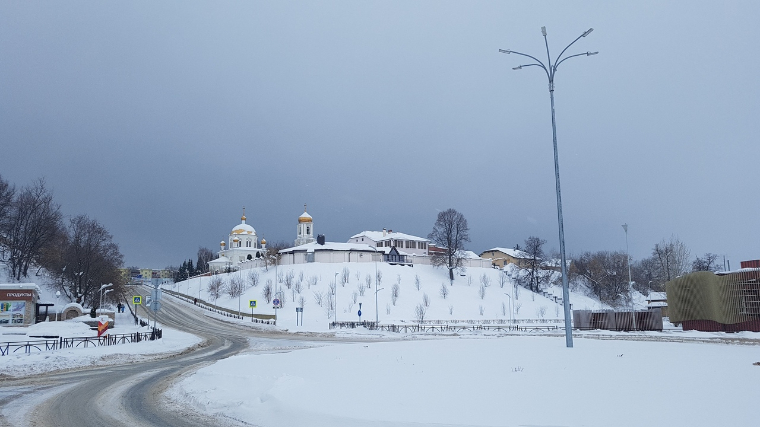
<point>242,246</point>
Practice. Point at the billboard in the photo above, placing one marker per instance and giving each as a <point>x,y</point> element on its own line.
<point>12,312</point>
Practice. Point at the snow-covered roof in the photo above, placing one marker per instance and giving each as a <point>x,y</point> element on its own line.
<point>657,296</point>
<point>470,255</point>
<point>378,236</point>
<point>221,260</point>
<point>24,286</point>
<point>243,228</point>
<point>514,253</point>
<point>332,246</point>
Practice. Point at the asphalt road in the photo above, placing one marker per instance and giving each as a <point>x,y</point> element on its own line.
<point>129,395</point>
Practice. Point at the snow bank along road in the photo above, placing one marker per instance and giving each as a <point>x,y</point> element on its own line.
<point>127,395</point>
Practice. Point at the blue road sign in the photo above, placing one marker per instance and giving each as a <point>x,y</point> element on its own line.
<point>360,313</point>
<point>137,300</point>
<point>252,303</point>
<point>276,302</point>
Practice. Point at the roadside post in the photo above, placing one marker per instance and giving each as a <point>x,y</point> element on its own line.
<point>276,304</point>
<point>136,300</point>
<point>360,312</point>
<point>299,310</point>
<point>252,304</point>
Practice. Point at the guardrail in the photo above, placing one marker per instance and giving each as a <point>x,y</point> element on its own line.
<point>441,327</point>
<point>29,346</point>
<point>267,319</point>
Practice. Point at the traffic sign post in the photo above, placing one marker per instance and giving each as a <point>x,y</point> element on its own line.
<point>252,304</point>
<point>299,310</point>
<point>137,300</point>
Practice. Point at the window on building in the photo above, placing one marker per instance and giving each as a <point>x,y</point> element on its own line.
<point>308,229</point>
<point>422,245</point>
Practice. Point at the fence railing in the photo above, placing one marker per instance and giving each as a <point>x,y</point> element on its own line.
<point>267,319</point>
<point>47,344</point>
<point>444,327</point>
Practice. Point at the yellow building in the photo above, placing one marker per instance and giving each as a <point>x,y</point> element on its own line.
<point>503,256</point>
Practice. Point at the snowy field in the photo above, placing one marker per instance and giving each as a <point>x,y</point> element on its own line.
<point>501,300</point>
<point>507,381</point>
<point>17,365</point>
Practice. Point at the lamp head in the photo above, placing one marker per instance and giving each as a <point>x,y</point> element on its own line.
<point>591,53</point>
<point>519,67</point>
<point>505,51</point>
<point>543,31</point>
<point>587,32</point>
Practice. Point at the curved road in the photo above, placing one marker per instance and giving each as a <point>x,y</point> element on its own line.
<point>128,395</point>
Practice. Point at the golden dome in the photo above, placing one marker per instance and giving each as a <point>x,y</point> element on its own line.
<point>223,244</point>
<point>242,218</point>
<point>235,240</point>
<point>263,241</point>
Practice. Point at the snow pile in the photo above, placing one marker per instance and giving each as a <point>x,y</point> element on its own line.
<point>509,381</point>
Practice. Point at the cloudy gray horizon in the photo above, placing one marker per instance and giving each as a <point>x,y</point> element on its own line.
<point>162,119</point>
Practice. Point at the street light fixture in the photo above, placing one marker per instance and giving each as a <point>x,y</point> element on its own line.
<point>57,296</point>
<point>551,69</point>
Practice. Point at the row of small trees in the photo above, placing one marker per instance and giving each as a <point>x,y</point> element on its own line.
<point>78,254</point>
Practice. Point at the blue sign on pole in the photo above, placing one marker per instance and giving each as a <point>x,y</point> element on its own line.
<point>360,313</point>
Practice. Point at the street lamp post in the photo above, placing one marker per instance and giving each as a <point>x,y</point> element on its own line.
<point>377,321</point>
<point>58,312</point>
<point>630,283</point>
<point>335,298</point>
<point>551,70</point>
<point>101,294</point>
<point>510,307</point>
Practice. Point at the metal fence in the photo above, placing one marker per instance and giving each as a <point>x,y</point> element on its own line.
<point>56,343</point>
<point>442,328</point>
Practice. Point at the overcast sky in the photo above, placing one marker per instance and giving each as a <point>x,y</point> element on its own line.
<point>162,119</point>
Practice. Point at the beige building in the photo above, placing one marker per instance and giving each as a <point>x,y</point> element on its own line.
<point>503,256</point>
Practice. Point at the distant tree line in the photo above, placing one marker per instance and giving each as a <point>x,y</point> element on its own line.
<point>77,255</point>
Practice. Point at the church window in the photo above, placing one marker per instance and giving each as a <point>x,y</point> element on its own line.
<point>307,229</point>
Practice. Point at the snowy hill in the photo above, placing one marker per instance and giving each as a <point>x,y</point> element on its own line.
<point>464,300</point>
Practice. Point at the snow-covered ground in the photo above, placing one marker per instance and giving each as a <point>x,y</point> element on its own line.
<point>506,381</point>
<point>19,364</point>
<point>462,303</point>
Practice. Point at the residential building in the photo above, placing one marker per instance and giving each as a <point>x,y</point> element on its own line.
<point>406,243</point>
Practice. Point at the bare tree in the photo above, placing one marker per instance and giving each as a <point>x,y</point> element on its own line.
<point>451,309</point>
<point>672,257</point>
<point>215,287</point>
<point>517,307</point>
<point>485,280</point>
<point>706,263</point>
<point>289,278</point>
<point>450,232</point>
<point>535,277</point>
<point>298,287</point>
<point>362,288</point>
<point>234,287</point>
<point>7,191</point>
<point>502,279</point>
<point>419,312</point>
<point>268,291</point>
<point>379,278</point>
<point>312,281</point>
<point>319,297</point>
<point>604,274</point>
<point>444,291</point>
<point>345,275</point>
<point>541,311</point>
<point>301,301</point>
<point>88,259</point>
<point>272,254</point>
<point>426,300</point>
<point>253,278</point>
<point>417,281</point>
<point>33,219</point>
<point>204,256</point>
<point>395,291</point>
<point>368,281</point>
<point>482,291</point>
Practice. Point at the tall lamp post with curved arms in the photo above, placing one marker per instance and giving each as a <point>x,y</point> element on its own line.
<point>551,69</point>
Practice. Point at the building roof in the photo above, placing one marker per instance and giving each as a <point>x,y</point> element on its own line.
<point>22,286</point>
<point>378,236</point>
<point>514,253</point>
<point>657,296</point>
<point>333,246</point>
<point>243,228</point>
<point>221,260</point>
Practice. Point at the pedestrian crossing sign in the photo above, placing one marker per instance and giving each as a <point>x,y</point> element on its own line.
<point>252,303</point>
<point>137,300</point>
